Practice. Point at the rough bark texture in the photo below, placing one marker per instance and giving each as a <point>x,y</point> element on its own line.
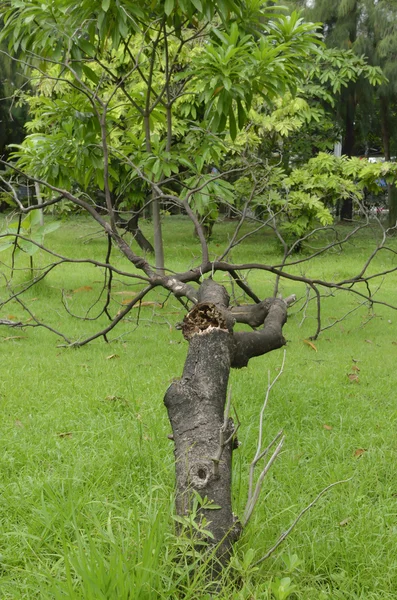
<point>196,403</point>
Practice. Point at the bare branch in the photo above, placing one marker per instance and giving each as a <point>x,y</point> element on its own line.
<point>116,320</point>
<point>38,323</point>
<point>253,494</point>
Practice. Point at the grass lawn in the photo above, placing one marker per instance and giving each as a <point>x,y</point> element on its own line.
<point>86,468</point>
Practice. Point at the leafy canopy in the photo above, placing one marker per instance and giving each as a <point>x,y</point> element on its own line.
<point>161,85</point>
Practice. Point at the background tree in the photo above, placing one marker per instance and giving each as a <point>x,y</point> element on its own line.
<point>368,28</point>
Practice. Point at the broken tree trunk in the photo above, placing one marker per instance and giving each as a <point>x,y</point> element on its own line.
<point>203,437</point>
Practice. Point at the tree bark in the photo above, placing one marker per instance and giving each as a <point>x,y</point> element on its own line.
<point>132,225</point>
<point>196,403</point>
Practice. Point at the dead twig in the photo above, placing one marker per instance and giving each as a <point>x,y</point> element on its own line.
<point>254,493</point>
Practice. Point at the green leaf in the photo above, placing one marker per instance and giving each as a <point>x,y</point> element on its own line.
<point>105,5</point>
<point>51,227</point>
<point>87,47</point>
<point>28,247</point>
<point>4,243</point>
<point>227,83</point>
<point>26,223</point>
<point>169,7</point>
<point>222,123</point>
<point>186,163</point>
<point>197,4</point>
<point>241,115</point>
<point>35,218</point>
<point>90,74</point>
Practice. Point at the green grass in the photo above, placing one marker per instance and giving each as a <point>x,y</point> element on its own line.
<point>86,487</point>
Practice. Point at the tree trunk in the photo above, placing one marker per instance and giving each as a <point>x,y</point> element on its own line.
<point>132,225</point>
<point>158,236</point>
<point>392,202</point>
<point>391,188</point>
<point>195,407</point>
<point>207,226</point>
<point>346,211</point>
<point>196,403</point>
<point>39,201</point>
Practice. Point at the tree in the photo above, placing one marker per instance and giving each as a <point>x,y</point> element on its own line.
<point>367,27</point>
<point>116,109</point>
<point>380,46</point>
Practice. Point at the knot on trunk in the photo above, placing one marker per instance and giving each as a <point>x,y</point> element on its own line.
<point>204,317</point>
<point>199,474</point>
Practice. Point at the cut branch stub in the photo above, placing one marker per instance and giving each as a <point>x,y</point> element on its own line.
<point>203,318</point>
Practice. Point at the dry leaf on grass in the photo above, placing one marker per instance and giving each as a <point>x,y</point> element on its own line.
<point>15,337</point>
<point>65,434</point>
<point>369,341</point>
<point>353,377</point>
<point>147,303</point>
<point>345,522</point>
<point>112,356</point>
<point>83,288</point>
<point>18,423</point>
<point>309,343</point>
<point>328,427</point>
<point>355,368</point>
<point>359,452</point>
